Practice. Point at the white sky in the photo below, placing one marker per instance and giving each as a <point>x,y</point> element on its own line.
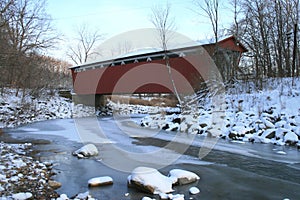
<point>118,16</point>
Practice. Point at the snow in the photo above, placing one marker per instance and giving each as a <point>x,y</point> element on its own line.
<point>194,190</point>
<point>290,137</point>
<point>151,177</point>
<point>176,174</point>
<point>163,196</point>
<point>98,181</point>
<point>86,151</point>
<point>147,198</point>
<point>63,197</point>
<point>23,172</point>
<point>22,196</point>
<point>281,152</point>
<point>176,197</point>
<point>271,115</point>
<point>18,110</point>
<point>153,181</point>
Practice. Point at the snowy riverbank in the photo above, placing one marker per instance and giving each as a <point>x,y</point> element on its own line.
<point>271,115</point>
<point>21,177</point>
<point>15,110</point>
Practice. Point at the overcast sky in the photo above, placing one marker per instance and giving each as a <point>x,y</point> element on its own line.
<point>118,16</point>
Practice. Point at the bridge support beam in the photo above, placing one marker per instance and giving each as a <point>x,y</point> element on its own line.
<point>95,100</point>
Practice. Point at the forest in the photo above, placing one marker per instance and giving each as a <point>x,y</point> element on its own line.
<point>26,36</point>
<point>268,28</point>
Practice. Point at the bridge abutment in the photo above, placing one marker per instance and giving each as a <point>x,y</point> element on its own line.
<point>96,100</point>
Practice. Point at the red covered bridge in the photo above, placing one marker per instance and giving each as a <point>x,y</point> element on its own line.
<point>148,73</point>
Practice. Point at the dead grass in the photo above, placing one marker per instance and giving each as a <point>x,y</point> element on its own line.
<point>166,101</point>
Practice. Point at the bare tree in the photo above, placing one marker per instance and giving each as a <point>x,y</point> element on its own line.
<point>86,40</point>
<point>210,9</point>
<point>295,39</point>
<point>29,27</point>
<point>165,25</point>
<point>27,31</point>
<point>4,5</point>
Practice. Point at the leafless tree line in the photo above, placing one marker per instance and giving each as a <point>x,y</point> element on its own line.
<point>25,35</point>
<point>85,43</point>
<point>270,29</point>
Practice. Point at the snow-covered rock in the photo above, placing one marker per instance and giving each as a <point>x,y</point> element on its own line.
<point>22,196</point>
<point>163,196</point>
<point>63,197</point>
<point>267,116</point>
<point>150,180</point>
<point>290,138</point>
<point>100,181</point>
<point>86,151</point>
<point>194,190</point>
<point>147,198</point>
<point>84,195</point>
<point>182,177</point>
<point>268,123</point>
<point>176,196</point>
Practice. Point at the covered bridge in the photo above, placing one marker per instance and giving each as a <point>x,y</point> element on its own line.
<point>147,73</point>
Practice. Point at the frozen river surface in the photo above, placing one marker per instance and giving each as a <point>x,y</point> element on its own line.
<point>228,170</point>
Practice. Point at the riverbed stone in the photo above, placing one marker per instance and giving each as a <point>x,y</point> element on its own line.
<point>150,180</point>
<point>22,196</point>
<point>194,190</point>
<point>182,177</point>
<point>100,181</point>
<point>88,150</point>
<point>54,184</point>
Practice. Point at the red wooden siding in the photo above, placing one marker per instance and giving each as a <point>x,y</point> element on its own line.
<point>149,76</point>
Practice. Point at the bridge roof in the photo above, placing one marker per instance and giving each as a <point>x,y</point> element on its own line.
<point>155,53</point>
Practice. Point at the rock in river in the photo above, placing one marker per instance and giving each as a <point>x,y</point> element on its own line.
<point>150,180</point>
<point>182,177</point>
<point>54,184</point>
<point>86,151</point>
<point>100,181</point>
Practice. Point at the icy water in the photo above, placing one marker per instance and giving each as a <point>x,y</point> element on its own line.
<point>229,171</point>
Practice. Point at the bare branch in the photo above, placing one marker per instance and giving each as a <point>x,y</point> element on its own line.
<point>86,41</point>
<point>161,20</point>
<point>164,24</point>
<point>210,9</point>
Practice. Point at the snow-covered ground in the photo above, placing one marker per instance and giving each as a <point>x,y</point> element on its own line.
<point>19,172</point>
<point>22,177</point>
<point>271,115</point>
<point>15,110</point>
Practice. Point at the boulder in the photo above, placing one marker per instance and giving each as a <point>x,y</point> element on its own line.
<point>269,133</point>
<point>291,138</point>
<point>232,135</point>
<point>100,181</point>
<point>147,198</point>
<point>194,190</point>
<point>54,184</point>
<point>84,195</point>
<point>176,196</point>
<point>182,177</point>
<point>22,196</point>
<point>150,180</point>
<point>268,123</point>
<point>86,151</point>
